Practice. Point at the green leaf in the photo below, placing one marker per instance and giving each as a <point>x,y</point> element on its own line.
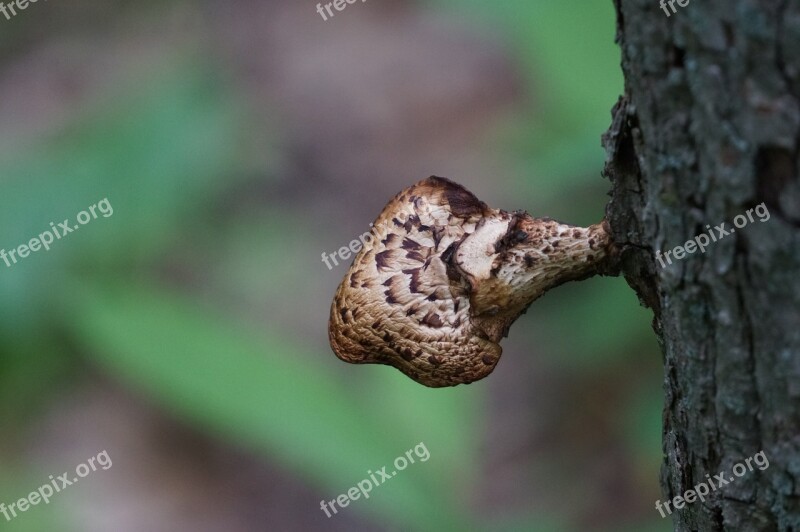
<point>16,483</point>
<point>262,390</point>
<point>157,154</point>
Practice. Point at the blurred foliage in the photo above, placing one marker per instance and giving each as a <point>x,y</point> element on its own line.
<point>162,153</point>
<point>154,154</point>
<point>157,155</point>
<point>15,483</point>
<point>571,67</point>
<point>261,389</point>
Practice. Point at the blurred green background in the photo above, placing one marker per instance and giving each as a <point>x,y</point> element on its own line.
<point>186,334</point>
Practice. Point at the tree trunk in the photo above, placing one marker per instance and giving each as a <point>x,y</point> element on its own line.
<point>709,127</point>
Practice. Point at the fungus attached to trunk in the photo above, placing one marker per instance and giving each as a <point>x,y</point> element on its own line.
<point>444,277</point>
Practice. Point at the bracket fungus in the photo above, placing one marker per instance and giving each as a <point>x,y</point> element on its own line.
<point>444,277</point>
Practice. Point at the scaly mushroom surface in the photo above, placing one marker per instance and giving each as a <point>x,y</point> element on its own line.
<point>443,278</point>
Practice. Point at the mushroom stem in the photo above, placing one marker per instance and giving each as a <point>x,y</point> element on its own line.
<point>513,259</point>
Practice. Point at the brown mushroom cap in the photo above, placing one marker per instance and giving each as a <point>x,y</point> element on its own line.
<point>444,276</point>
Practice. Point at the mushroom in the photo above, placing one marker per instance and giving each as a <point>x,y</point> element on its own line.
<point>444,276</point>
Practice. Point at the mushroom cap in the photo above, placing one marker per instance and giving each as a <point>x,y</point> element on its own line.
<point>404,303</point>
<point>443,277</point>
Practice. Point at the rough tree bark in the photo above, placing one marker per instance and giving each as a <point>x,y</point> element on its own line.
<point>709,127</point>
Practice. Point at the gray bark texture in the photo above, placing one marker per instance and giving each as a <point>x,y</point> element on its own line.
<point>708,128</point>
